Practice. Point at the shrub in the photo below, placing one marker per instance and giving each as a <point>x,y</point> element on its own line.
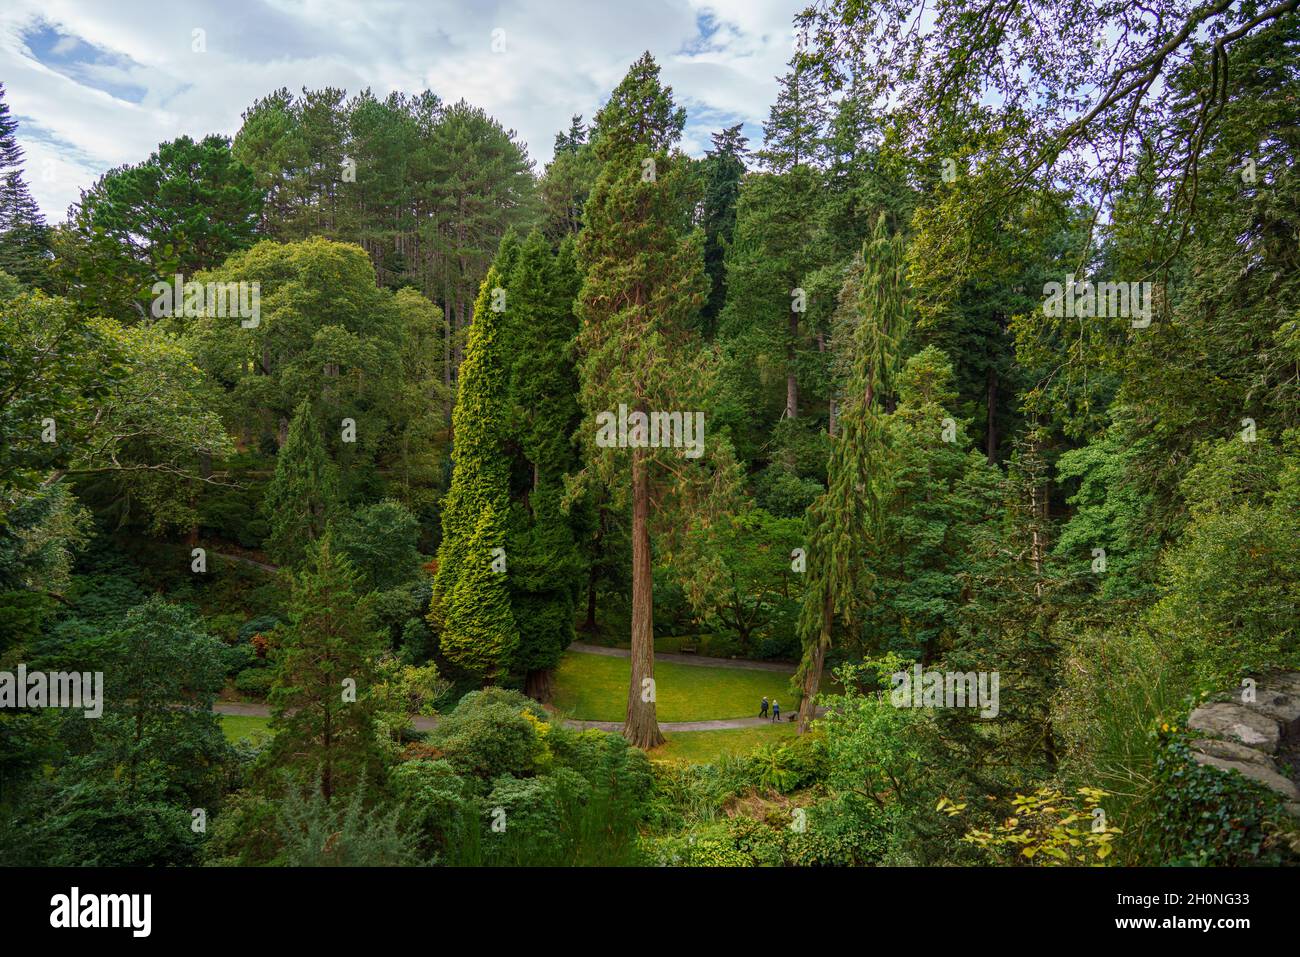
<point>254,682</point>
<point>487,735</point>
<point>344,832</point>
<point>1212,818</point>
<point>1047,829</point>
<point>436,805</point>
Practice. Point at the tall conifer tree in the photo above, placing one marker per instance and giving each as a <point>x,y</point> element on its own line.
<point>841,521</point>
<point>304,493</point>
<point>321,710</point>
<point>24,237</point>
<point>471,601</point>
<point>546,567</point>
<point>644,283</point>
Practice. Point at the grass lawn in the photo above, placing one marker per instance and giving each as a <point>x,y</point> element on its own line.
<point>238,726</point>
<point>594,688</point>
<point>704,747</point>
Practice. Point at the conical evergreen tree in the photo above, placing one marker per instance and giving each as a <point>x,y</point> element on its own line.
<point>24,236</point>
<point>644,283</point>
<point>796,121</point>
<point>322,714</point>
<point>847,514</point>
<point>724,169</point>
<point>471,603</point>
<point>303,495</point>
<point>546,567</point>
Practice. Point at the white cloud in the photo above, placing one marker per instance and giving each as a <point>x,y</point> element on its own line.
<point>98,85</point>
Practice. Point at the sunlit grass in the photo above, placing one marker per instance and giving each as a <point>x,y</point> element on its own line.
<point>705,747</point>
<point>236,726</point>
<point>594,688</point>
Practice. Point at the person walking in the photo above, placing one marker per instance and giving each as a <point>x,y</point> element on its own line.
<point>762,708</point>
<point>776,711</point>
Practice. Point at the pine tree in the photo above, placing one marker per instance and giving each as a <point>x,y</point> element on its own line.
<point>1007,626</point>
<point>941,493</point>
<point>644,282</point>
<point>24,237</point>
<point>845,518</point>
<point>471,601</point>
<point>304,492</point>
<point>322,714</point>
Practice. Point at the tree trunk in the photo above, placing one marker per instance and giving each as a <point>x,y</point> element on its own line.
<point>812,677</point>
<point>641,727</point>
<point>539,684</point>
<point>791,379</point>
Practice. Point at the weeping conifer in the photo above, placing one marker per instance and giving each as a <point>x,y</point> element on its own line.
<point>847,514</point>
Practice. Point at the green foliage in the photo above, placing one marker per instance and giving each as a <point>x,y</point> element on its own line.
<point>436,804</point>
<point>1232,583</point>
<point>185,209</point>
<point>471,613</point>
<point>546,568</point>
<point>322,696</point>
<point>940,493</point>
<point>489,734</point>
<point>302,497</point>
<point>380,542</point>
<point>848,514</point>
<point>1048,828</point>
<point>746,582</point>
<point>24,237</point>
<point>1213,818</point>
<point>317,832</point>
<point>724,167</point>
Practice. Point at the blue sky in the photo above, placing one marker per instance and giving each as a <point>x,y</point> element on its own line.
<point>98,84</point>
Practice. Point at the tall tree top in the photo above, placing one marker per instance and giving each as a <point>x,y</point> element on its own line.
<point>795,124</point>
<point>574,139</point>
<point>729,142</point>
<point>639,111</point>
<point>11,154</point>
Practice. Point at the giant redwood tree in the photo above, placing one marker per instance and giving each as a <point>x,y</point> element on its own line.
<point>644,282</point>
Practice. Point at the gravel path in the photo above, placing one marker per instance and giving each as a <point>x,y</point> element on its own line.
<point>422,723</point>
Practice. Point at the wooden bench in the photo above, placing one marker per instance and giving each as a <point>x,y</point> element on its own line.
<point>688,650</point>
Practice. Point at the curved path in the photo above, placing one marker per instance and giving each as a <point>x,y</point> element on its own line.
<point>428,723</point>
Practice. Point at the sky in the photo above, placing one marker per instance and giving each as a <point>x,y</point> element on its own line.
<point>95,85</point>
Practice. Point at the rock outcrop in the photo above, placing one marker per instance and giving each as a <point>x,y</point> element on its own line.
<point>1248,733</point>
